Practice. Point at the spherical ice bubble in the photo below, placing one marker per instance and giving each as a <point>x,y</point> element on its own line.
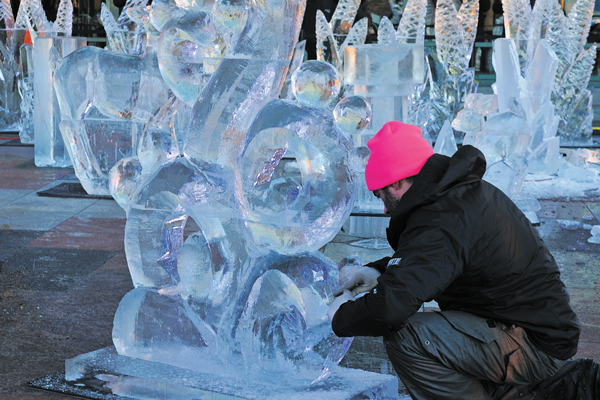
<point>124,178</point>
<point>189,49</point>
<point>316,83</point>
<point>352,114</point>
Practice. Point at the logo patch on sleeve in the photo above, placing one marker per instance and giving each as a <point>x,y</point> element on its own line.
<point>394,261</point>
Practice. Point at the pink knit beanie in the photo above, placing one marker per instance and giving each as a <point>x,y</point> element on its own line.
<point>397,152</point>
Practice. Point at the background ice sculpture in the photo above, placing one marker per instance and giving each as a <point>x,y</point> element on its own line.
<point>25,86</point>
<point>411,29</point>
<point>567,36</point>
<point>516,127</point>
<point>451,79</point>
<point>53,43</point>
<point>50,149</point>
<point>222,239</point>
<point>11,37</point>
<point>106,99</point>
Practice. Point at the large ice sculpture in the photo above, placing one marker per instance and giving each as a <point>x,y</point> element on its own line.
<point>451,79</point>
<point>567,36</point>
<point>50,149</point>
<point>222,241</point>
<point>516,127</point>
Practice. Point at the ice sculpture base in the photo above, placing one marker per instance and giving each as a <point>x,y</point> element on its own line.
<point>139,379</point>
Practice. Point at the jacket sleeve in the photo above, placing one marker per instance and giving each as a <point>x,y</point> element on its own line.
<point>431,258</point>
<point>379,265</point>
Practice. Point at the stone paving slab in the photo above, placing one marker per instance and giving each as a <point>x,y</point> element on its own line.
<point>103,209</point>
<point>52,269</point>
<point>84,233</point>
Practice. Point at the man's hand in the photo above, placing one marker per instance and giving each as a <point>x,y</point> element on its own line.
<point>337,302</point>
<point>356,278</point>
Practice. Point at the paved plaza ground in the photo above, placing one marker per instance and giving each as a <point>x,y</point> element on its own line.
<point>63,272</point>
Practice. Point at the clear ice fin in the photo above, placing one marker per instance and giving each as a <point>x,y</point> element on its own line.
<point>386,34</point>
<point>6,14</point>
<point>342,19</point>
<point>64,18</point>
<point>357,35</point>
<point>327,47</point>
<point>412,23</point>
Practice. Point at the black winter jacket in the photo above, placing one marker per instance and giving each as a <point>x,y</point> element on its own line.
<point>463,243</point>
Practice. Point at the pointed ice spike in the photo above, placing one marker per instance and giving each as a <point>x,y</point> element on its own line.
<point>508,72</point>
<point>580,18</point>
<point>445,143</point>
<point>39,16</point>
<point>357,35</point>
<point>23,14</point>
<point>386,34</point>
<point>453,33</point>
<point>6,14</point>
<point>468,15</point>
<point>540,75</point>
<point>327,48</point>
<point>64,18</point>
<point>113,32</point>
<point>342,19</point>
<point>516,17</point>
<point>574,82</point>
<point>550,21</point>
<point>412,25</point>
<point>32,10</point>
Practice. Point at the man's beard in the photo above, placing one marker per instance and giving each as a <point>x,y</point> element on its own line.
<point>391,202</point>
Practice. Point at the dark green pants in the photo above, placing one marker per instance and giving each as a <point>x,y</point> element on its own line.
<point>456,355</point>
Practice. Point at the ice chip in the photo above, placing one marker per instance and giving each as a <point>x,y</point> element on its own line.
<point>352,114</point>
<point>594,239</point>
<point>569,224</point>
<point>595,230</point>
<point>316,83</point>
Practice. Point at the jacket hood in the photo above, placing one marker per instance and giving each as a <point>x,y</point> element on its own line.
<point>439,175</point>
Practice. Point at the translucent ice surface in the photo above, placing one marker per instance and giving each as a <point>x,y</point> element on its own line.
<point>189,50</point>
<point>105,100</point>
